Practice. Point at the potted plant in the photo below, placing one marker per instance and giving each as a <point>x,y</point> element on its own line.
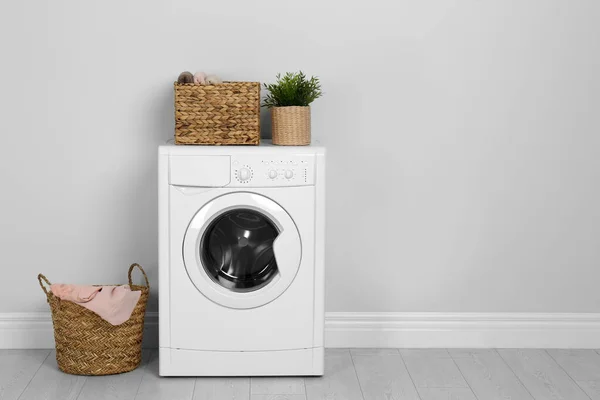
<point>289,99</point>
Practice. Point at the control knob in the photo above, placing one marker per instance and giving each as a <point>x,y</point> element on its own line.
<point>272,174</point>
<point>244,174</point>
<point>289,174</point>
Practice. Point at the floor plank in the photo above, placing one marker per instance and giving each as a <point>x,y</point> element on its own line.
<point>153,387</point>
<point>583,366</point>
<point>277,385</point>
<point>50,383</point>
<point>17,368</point>
<point>541,375</point>
<point>433,369</point>
<point>278,397</point>
<point>367,352</point>
<point>339,382</point>
<point>448,394</point>
<point>115,387</point>
<point>383,375</point>
<point>591,388</point>
<point>429,353</point>
<point>222,389</point>
<point>488,375</point>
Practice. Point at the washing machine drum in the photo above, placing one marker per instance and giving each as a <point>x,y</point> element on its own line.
<point>236,250</point>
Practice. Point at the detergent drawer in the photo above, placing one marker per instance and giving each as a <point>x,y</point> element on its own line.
<point>199,171</point>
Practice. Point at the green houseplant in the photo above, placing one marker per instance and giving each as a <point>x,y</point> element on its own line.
<point>289,100</point>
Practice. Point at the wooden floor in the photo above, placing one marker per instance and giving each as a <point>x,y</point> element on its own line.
<point>386,374</point>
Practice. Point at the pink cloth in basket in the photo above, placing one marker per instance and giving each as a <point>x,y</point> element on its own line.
<point>114,304</point>
<point>75,293</point>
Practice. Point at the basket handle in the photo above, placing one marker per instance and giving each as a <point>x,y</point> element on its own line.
<point>40,278</point>
<point>143,273</point>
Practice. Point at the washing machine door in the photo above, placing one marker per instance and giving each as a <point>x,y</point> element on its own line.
<point>242,250</point>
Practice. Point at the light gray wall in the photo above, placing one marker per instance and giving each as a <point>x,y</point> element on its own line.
<point>463,141</point>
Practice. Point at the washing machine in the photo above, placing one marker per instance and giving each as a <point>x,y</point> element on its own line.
<point>241,254</point>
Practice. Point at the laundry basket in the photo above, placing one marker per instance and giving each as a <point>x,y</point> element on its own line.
<point>223,114</point>
<point>88,345</point>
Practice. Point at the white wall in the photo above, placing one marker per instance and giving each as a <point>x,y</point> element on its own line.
<point>463,141</point>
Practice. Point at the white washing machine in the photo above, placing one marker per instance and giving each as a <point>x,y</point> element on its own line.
<point>241,282</point>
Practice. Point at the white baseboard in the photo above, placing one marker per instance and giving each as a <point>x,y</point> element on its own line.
<point>463,330</point>
<point>34,330</point>
<point>402,330</point>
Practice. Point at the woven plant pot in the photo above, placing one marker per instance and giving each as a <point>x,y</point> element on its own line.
<point>291,126</point>
<point>88,345</point>
<point>221,114</point>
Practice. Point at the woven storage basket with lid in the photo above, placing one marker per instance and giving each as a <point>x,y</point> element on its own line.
<point>88,345</point>
<point>222,114</point>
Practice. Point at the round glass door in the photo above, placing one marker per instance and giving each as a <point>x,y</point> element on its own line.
<point>242,250</point>
<point>236,250</point>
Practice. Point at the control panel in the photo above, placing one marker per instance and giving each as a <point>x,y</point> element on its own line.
<point>265,171</point>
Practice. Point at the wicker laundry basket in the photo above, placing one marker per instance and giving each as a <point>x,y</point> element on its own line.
<point>88,345</point>
<point>222,114</point>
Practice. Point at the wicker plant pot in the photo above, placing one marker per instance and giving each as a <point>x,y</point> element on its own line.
<point>88,345</point>
<point>222,114</point>
<point>291,126</point>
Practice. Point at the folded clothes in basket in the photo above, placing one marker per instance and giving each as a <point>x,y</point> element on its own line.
<point>114,304</point>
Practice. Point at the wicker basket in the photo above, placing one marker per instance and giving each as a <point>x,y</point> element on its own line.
<point>222,114</point>
<point>291,126</point>
<point>88,345</point>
